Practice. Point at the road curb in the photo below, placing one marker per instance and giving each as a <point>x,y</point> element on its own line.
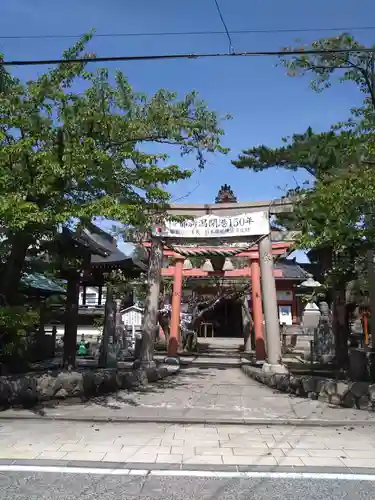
<point>190,421</point>
<point>170,469</point>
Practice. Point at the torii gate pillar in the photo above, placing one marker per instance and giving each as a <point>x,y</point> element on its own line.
<point>271,316</point>
<point>174,339</point>
<point>256,299</point>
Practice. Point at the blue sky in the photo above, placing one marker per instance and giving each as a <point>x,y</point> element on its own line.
<point>266,105</point>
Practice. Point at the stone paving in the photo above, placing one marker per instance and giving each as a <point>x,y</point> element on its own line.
<point>195,445</point>
<point>201,394</point>
<point>214,395</point>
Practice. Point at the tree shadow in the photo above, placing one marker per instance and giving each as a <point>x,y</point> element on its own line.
<point>124,396</point>
<point>107,403</point>
<point>99,388</point>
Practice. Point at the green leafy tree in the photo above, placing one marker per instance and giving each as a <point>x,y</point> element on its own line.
<point>347,190</point>
<point>323,156</point>
<point>68,155</point>
<point>340,56</point>
<point>335,210</point>
<point>331,158</point>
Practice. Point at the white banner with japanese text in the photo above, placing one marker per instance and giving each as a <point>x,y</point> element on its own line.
<point>214,226</point>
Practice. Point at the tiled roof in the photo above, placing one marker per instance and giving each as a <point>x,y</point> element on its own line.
<point>104,250</point>
<point>44,285</point>
<point>83,240</point>
<point>134,258</point>
<point>291,269</point>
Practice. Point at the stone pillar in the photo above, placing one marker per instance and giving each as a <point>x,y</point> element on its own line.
<point>324,338</point>
<point>174,339</point>
<point>271,316</point>
<point>256,296</point>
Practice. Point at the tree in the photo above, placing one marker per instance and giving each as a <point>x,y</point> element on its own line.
<point>340,56</point>
<point>353,150</point>
<point>151,313</point>
<point>356,65</point>
<point>68,155</point>
<point>201,307</point>
<point>335,210</point>
<point>324,156</point>
<point>327,210</point>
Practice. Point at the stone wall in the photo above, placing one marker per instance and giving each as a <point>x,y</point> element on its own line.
<point>347,394</point>
<point>33,388</point>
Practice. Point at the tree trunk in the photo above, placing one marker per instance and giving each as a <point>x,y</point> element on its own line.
<point>71,319</point>
<point>371,284</point>
<point>150,319</point>
<point>109,326</point>
<point>199,315</point>
<point>164,319</point>
<point>212,304</point>
<point>247,323</point>
<point>340,327</point>
<point>40,339</point>
<point>13,268</point>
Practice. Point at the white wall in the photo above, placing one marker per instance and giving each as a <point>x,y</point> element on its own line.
<point>92,296</point>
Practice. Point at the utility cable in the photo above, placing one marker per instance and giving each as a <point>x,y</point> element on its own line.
<point>231,48</point>
<point>277,53</point>
<point>191,33</point>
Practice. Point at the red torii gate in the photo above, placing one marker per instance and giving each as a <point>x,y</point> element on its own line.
<point>180,253</point>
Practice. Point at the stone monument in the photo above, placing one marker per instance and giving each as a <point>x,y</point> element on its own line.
<point>324,338</point>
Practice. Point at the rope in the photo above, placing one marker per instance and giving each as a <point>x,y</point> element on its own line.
<point>208,251</point>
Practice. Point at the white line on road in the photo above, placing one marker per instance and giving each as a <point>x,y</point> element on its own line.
<point>73,470</point>
<point>188,473</point>
<point>264,475</point>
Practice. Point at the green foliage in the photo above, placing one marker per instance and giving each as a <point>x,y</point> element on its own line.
<point>19,319</point>
<point>197,261</point>
<point>356,67</point>
<point>68,155</point>
<point>15,324</point>
<point>98,322</point>
<point>318,154</point>
<point>124,285</point>
<point>336,209</point>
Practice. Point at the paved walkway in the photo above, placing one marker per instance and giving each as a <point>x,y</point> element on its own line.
<point>144,445</point>
<point>205,395</point>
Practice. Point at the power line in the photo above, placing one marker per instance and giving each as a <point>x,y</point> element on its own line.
<point>41,62</point>
<point>191,33</point>
<point>231,49</point>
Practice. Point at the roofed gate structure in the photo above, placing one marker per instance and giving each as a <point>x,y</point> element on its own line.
<point>217,232</point>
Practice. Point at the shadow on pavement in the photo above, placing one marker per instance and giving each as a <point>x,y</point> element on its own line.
<point>182,380</point>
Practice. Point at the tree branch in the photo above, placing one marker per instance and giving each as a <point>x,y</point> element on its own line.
<point>211,305</point>
<point>158,139</point>
<point>350,65</point>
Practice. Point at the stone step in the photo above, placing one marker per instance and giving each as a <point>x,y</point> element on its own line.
<point>211,363</point>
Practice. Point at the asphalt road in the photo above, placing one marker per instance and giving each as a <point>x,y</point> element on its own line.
<point>56,486</point>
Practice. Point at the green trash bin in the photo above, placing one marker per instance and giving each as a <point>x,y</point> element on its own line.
<point>82,349</point>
